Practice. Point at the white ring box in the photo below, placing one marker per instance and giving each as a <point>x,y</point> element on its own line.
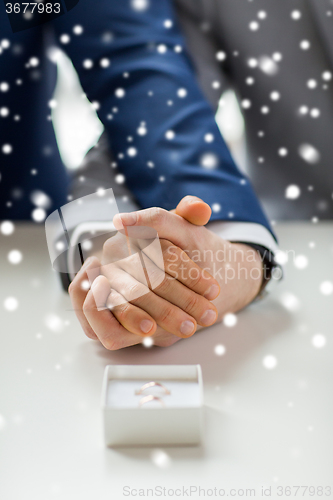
<point>177,422</point>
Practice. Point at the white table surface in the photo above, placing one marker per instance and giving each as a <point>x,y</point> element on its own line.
<point>262,427</point>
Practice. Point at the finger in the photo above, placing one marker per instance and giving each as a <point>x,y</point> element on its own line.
<point>177,263</point>
<point>167,224</point>
<point>107,328</point>
<point>198,307</point>
<point>194,210</point>
<point>78,290</point>
<point>168,316</point>
<point>134,319</point>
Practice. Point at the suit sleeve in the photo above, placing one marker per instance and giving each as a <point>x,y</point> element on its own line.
<point>132,63</point>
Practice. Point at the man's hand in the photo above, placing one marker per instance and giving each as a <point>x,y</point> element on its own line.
<point>162,312</point>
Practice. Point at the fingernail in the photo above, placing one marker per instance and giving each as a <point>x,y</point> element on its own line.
<point>95,283</point>
<point>87,262</point>
<point>129,219</point>
<point>209,317</point>
<point>146,325</point>
<point>212,292</point>
<point>187,327</point>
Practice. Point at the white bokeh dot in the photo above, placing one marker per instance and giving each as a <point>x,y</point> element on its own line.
<point>182,93</point>
<point>296,15</point>
<point>120,179</point>
<point>64,38</point>
<point>7,227</point>
<point>221,56</point>
<point>315,113</point>
<point>268,65</point>
<point>277,57</point>
<point>246,103</point>
<point>132,152</point>
<point>142,130</point>
<point>252,63</point>
<point>319,340</point>
<point>148,342</point>
<point>5,44</point>
<point>269,362</point>
<point>216,207</point>
<point>301,261</point>
<point>87,63</point>
<point>87,245</point>
<point>254,25</point>
<point>292,192</point>
<point>54,323</point>
<point>309,153</point>
<point>140,5</point>
<point>10,304</point>
<point>327,76</point>
<point>161,49</point>
<point>160,459</point>
<point>120,93</point>
<point>230,320</point>
<point>312,84</point>
<point>290,301</point>
<point>303,110</point>
<point>15,257</point>
<point>169,134</point>
<point>7,149</point>
<point>34,62</point>
<point>4,112</point>
<point>283,152</point>
<point>2,422</point>
<point>281,257</point>
<point>38,214</point>
<point>105,62</point>
<point>78,30</point>
<point>326,288</point>
<point>305,45</point>
<point>219,350</point>
<point>262,14</point>
<point>4,87</point>
<point>209,161</point>
<point>275,96</point>
<point>209,137</point>
<point>85,285</point>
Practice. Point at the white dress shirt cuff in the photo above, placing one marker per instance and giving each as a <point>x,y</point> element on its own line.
<point>247,232</point>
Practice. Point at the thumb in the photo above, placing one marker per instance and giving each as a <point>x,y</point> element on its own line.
<point>194,210</point>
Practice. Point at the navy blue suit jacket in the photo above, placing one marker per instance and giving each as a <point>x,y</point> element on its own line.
<point>150,79</point>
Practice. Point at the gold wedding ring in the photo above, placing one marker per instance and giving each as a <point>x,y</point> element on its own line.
<point>152,384</point>
<point>150,397</point>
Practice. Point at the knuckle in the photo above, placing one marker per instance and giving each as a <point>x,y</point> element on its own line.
<point>162,284</point>
<point>122,312</point>
<point>193,281</point>
<point>166,314</point>
<point>157,215</point>
<point>136,290</point>
<point>191,302</point>
<point>111,344</point>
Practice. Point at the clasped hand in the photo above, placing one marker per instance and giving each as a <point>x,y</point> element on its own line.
<point>138,291</point>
